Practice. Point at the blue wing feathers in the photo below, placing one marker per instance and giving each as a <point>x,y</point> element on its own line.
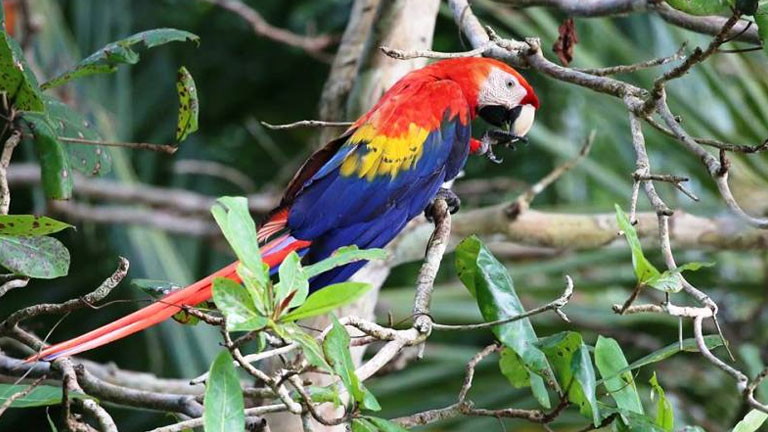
<point>333,210</point>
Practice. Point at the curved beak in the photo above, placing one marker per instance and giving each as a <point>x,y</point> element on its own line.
<point>518,119</point>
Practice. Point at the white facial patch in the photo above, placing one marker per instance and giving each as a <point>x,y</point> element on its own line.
<point>524,122</point>
<point>501,89</point>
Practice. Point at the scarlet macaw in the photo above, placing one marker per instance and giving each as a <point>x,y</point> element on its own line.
<point>363,187</point>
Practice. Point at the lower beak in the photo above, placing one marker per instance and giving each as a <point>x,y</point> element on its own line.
<point>524,121</point>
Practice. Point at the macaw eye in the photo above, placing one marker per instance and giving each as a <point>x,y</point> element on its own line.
<point>510,84</point>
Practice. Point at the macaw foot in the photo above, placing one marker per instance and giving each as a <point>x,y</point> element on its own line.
<point>453,201</point>
<point>499,137</point>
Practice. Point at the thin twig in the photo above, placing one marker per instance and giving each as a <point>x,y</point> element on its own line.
<point>312,44</point>
<point>677,181</point>
<point>161,148</point>
<point>623,69</point>
<point>13,283</point>
<point>305,123</point>
<point>16,396</point>
<point>59,308</point>
<point>554,305</point>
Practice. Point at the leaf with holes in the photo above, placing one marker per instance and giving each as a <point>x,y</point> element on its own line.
<point>54,160</point>
<point>87,158</point>
<point>36,257</point>
<point>570,359</point>
<point>16,78</point>
<point>189,107</point>
<point>30,225</point>
<point>109,57</point>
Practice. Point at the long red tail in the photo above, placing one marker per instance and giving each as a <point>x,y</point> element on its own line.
<point>274,253</point>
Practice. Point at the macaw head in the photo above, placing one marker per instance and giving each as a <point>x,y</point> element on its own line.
<point>497,92</point>
<point>505,99</point>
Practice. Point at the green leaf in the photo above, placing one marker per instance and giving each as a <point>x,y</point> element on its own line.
<point>670,280</point>
<point>644,270</point>
<point>631,421</point>
<point>761,19</point>
<point>54,160</point>
<point>224,406</point>
<point>30,225</point>
<point>159,289</point>
<point>385,425</point>
<point>109,57</point>
<point>363,425</point>
<point>665,415</point>
<point>751,422</point>
<point>36,257</point>
<point>325,394</point>
<point>41,395</point>
<point>610,359</point>
<point>309,346</point>
<point>155,288</point>
<point>336,349</point>
<point>17,80</point>
<point>343,256</point>
<point>189,107</point>
<point>487,279</point>
<point>234,219</point>
<point>702,7</point>
<point>689,345</point>
<point>328,299</point>
<point>570,360</point>
<point>87,158</point>
<point>237,306</point>
<point>512,367</point>
<point>292,280</point>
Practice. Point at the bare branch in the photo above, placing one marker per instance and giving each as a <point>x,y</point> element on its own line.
<point>85,301</point>
<point>160,148</point>
<point>7,284</point>
<point>261,27</point>
<point>411,54</point>
<point>305,123</point>
<point>5,160</point>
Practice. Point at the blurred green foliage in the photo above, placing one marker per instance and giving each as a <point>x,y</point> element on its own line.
<point>241,78</point>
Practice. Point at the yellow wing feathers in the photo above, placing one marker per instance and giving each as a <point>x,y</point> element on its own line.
<point>383,155</point>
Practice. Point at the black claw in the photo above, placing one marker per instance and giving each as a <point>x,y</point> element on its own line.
<point>450,198</point>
